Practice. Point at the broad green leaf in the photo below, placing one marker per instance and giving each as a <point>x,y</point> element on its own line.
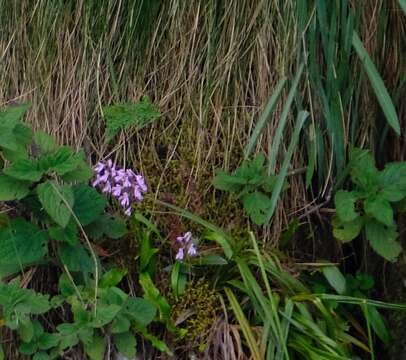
<point>105,225</point>
<point>345,205</point>
<point>226,182</point>
<point>377,83</point>
<point>363,170</point>
<point>13,189</point>
<point>76,258</point>
<point>21,244</point>
<point>347,231</point>
<point>61,161</point>
<point>26,331</point>
<point>112,277</point>
<point>24,170</point>
<point>153,296</point>
<point>47,341</point>
<point>28,348</point>
<point>105,315</point>
<point>141,310</point>
<point>82,173</point>
<point>120,324</point>
<point>393,181</point>
<point>9,118</point>
<point>23,136</point>
<point>96,348</point>
<point>45,142</point>
<point>65,286</point>
<point>335,278</point>
<point>123,116</point>
<point>383,240</point>
<point>256,205</point>
<point>89,204</point>
<point>126,344</point>
<point>57,201</point>
<point>380,209</point>
<point>41,356</point>
<point>67,234</point>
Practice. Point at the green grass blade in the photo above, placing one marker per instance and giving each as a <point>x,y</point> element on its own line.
<point>245,326</point>
<point>265,116</point>
<point>301,118</point>
<point>377,83</point>
<point>273,154</point>
<point>402,4</point>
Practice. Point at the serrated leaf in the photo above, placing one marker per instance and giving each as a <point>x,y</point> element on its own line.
<point>120,324</point>
<point>45,142</point>
<point>345,205</point>
<point>21,244</point>
<point>67,234</point>
<point>105,225</point>
<point>76,258</point>
<point>82,173</point>
<point>126,344</point>
<point>347,231</point>
<point>383,240</point>
<point>141,310</point>
<point>363,170</point>
<point>123,116</point>
<point>9,118</point>
<point>105,314</point>
<point>226,182</point>
<point>61,161</point>
<point>57,201</point>
<point>256,205</point>
<point>393,181</point>
<point>335,278</point>
<point>12,189</point>
<point>380,209</point>
<point>96,348</point>
<point>24,170</point>
<point>89,204</point>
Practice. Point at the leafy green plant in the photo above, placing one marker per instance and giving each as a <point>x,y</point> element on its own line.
<point>370,206</point>
<point>47,184</point>
<point>252,184</point>
<point>124,116</point>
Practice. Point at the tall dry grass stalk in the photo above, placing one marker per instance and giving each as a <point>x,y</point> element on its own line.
<point>210,65</point>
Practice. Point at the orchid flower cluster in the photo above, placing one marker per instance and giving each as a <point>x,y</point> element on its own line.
<point>125,185</point>
<point>187,246</point>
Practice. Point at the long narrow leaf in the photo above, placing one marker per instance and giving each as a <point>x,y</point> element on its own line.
<point>265,116</point>
<point>377,83</point>
<point>301,118</point>
<point>402,4</point>
<point>245,326</point>
<point>273,154</point>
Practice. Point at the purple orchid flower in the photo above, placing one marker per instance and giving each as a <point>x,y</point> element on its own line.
<point>123,184</point>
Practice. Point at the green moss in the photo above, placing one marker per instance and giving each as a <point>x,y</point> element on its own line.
<point>199,306</point>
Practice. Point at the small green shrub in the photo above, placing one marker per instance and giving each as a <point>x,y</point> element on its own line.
<point>370,206</point>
